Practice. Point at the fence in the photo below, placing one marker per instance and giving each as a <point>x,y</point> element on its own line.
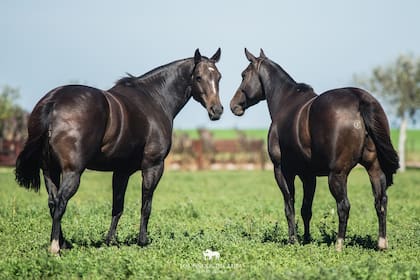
<point>186,153</point>
<point>209,153</point>
<point>9,150</point>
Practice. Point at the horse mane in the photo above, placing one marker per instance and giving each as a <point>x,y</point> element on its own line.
<point>128,81</point>
<point>133,81</point>
<point>302,87</point>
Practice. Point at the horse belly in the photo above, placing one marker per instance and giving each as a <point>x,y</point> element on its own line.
<point>102,162</point>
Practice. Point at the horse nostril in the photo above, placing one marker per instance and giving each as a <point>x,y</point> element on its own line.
<point>220,109</point>
<point>216,110</point>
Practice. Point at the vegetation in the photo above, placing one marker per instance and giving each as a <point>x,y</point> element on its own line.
<point>239,214</point>
<point>12,116</point>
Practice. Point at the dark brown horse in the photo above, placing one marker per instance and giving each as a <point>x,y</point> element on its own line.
<point>320,135</point>
<point>124,129</point>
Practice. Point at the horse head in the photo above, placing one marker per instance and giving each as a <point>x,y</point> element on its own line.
<point>205,83</point>
<point>251,91</point>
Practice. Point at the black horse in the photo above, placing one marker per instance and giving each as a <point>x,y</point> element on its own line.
<point>124,129</point>
<point>320,135</point>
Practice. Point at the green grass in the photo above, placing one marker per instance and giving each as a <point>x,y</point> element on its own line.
<point>240,214</point>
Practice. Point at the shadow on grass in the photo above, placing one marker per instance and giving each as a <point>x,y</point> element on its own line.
<point>98,243</point>
<point>269,235</point>
<point>273,235</point>
<point>365,242</point>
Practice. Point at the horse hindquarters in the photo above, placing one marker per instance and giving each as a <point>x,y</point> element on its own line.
<point>76,129</point>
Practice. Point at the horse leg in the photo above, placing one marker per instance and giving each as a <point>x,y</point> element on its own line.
<point>52,180</point>
<point>309,185</point>
<point>151,177</point>
<point>378,181</point>
<point>69,185</point>
<point>119,186</point>
<point>338,186</point>
<point>287,187</point>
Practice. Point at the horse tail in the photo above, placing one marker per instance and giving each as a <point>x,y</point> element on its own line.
<point>377,127</point>
<point>28,162</point>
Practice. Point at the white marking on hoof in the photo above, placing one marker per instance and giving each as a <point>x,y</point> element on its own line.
<point>55,247</point>
<point>339,244</point>
<point>382,243</point>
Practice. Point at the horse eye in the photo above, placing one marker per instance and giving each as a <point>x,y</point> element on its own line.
<point>198,79</point>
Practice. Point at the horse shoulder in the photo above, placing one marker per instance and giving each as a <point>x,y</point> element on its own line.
<point>116,125</point>
<point>302,132</point>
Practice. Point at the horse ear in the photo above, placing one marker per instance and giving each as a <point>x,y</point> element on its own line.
<point>216,56</point>
<point>197,56</point>
<point>262,54</point>
<point>250,56</point>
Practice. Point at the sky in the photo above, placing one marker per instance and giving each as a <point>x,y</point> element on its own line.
<point>49,43</point>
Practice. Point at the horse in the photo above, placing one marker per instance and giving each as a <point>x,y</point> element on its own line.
<point>124,129</point>
<point>320,135</point>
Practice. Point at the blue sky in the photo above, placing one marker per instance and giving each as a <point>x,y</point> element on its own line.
<point>323,43</point>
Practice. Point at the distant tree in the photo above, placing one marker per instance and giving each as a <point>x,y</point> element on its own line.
<point>8,97</point>
<point>12,116</point>
<point>399,84</point>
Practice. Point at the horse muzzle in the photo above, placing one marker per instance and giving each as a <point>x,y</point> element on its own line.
<point>215,112</point>
<point>238,110</point>
<point>238,103</point>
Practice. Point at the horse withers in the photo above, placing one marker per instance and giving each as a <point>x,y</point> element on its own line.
<point>123,129</point>
<point>320,135</point>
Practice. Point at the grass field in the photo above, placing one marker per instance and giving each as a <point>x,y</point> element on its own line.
<point>238,213</point>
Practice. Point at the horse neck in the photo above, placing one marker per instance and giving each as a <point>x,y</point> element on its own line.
<point>277,85</point>
<point>170,85</point>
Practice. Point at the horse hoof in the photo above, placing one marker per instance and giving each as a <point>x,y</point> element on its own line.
<point>293,240</point>
<point>307,239</point>
<point>110,241</point>
<point>382,243</point>
<point>339,245</point>
<point>143,242</point>
<point>55,247</point>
